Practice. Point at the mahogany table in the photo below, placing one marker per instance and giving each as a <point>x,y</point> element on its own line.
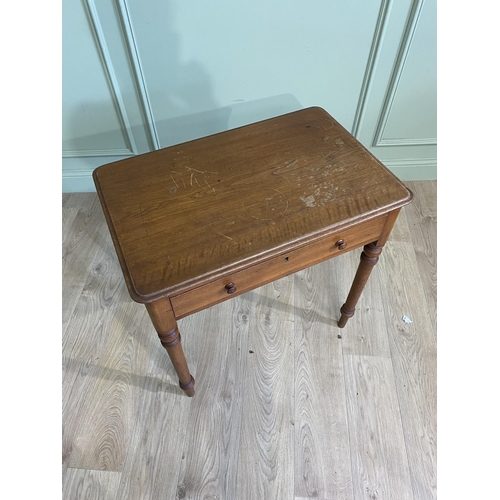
<point>204,221</point>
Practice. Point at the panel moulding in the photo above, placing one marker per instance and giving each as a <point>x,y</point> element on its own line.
<point>404,48</point>
<point>413,169</point>
<point>373,57</point>
<point>80,153</point>
<point>138,73</point>
<point>111,78</point>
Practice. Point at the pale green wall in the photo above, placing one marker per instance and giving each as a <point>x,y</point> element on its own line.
<point>143,74</point>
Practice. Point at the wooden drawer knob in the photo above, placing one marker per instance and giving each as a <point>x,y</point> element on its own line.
<point>230,288</point>
<point>341,244</point>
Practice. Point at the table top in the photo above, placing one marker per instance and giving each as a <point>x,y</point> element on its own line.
<point>190,212</point>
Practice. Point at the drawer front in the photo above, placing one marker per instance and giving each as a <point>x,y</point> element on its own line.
<point>274,268</point>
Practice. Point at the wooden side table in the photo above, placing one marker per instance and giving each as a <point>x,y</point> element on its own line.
<point>204,221</point>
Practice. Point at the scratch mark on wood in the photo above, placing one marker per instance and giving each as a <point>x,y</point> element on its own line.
<point>246,211</point>
<point>286,208</point>
<point>228,237</point>
<point>278,172</point>
<point>176,185</point>
<point>271,219</point>
<point>212,188</point>
<point>200,171</point>
<point>193,178</point>
<point>278,191</point>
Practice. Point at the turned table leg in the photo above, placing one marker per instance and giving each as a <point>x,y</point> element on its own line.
<point>165,324</point>
<point>369,257</point>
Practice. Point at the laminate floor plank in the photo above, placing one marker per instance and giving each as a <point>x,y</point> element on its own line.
<point>365,333</point>
<point>82,484</point>
<point>210,465</point>
<point>65,198</point>
<point>94,311</point>
<point>157,447</point>
<point>81,242</point>
<point>311,498</point>
<point>152,466</point>
<point>266,451</point>
<point>401,231</point>
<point>81,201</point>
<point>322,454</point>
<point>83,344</point>
<point>413,348</point>
<point>102,439</point>
<point>422,217</point>
<point>103,354</point>
<point>425,193</point>
<point>378,455</point>
<point>68,216</point>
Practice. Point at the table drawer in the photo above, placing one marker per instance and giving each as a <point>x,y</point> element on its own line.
<point>274,268</point>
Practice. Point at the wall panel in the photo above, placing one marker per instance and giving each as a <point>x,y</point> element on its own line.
<point>397,115</point>
<point>144,74</point>
<point>94,120</point>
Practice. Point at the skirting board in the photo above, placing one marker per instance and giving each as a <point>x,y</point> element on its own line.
<point>80,181</point>
<point>424,169</point>
<point>77,172</point>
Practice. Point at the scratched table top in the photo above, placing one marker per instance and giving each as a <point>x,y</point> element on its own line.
<point>220,203</point>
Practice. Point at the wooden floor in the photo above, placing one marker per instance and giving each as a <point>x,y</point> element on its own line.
<point>288,406</point>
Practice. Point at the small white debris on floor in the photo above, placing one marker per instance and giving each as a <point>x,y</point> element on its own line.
<point>406,319</point>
